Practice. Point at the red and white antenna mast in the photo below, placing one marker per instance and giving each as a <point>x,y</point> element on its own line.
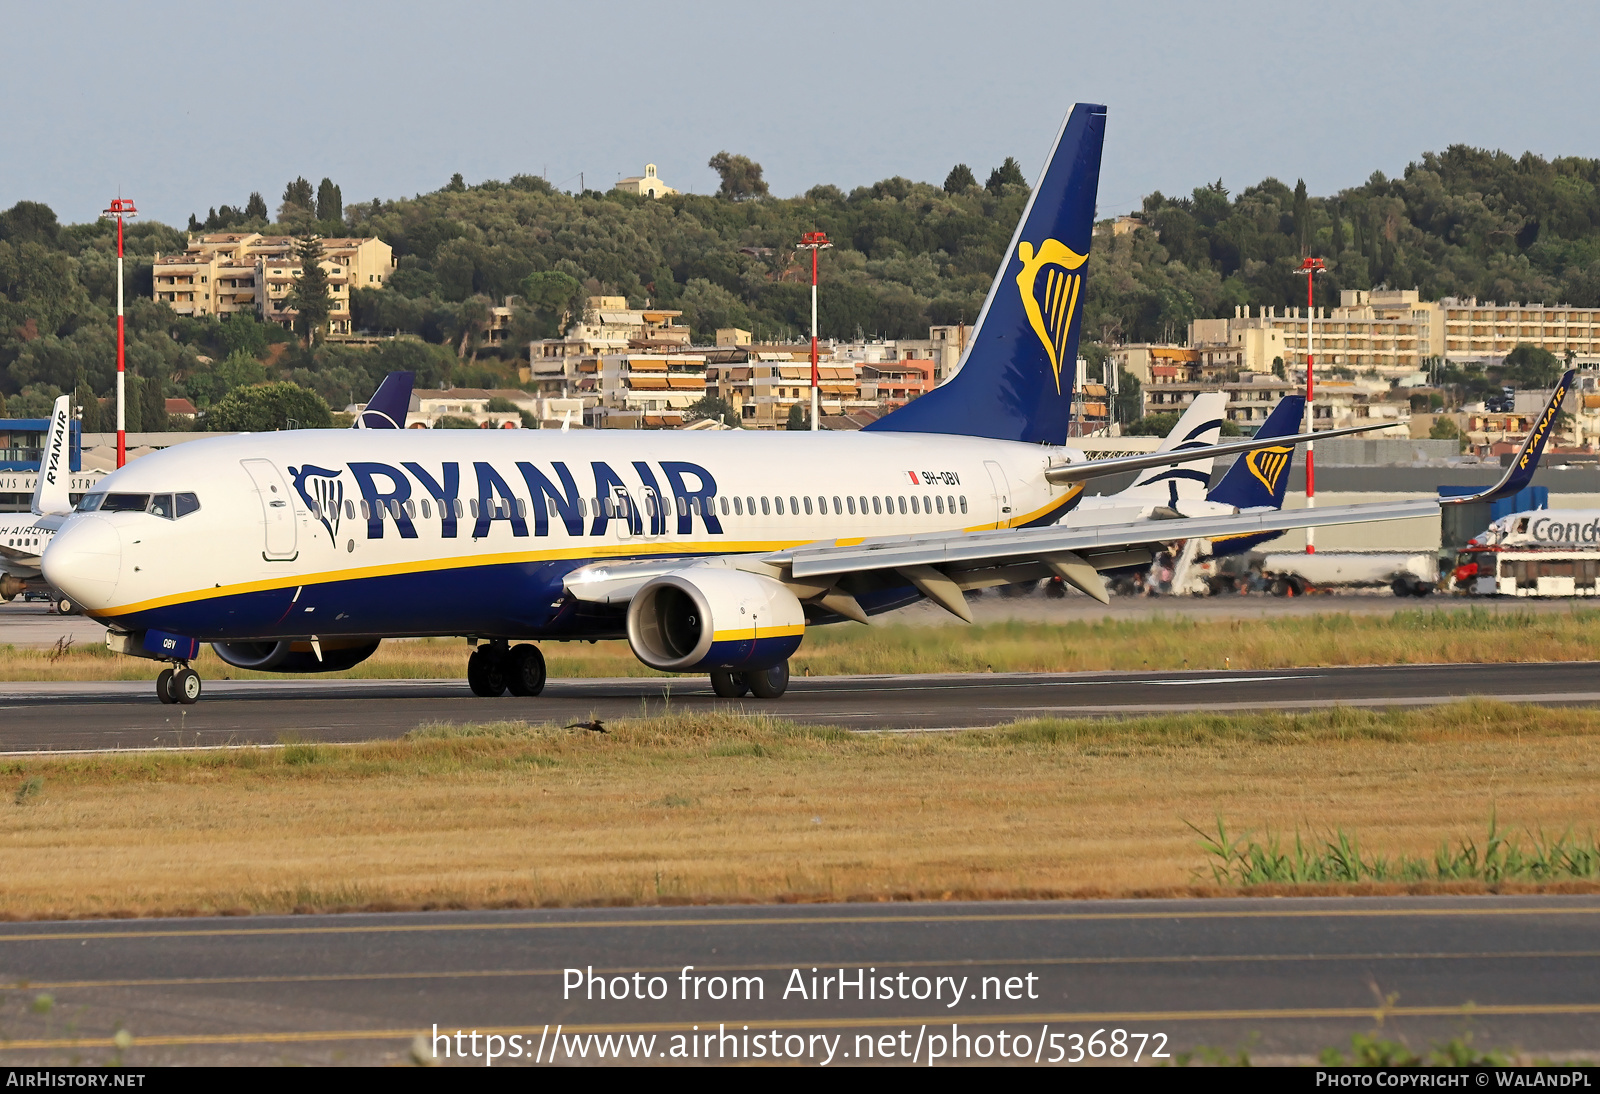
<point>814,242</point>
<point>1311,267</point>
<point>121,209</point>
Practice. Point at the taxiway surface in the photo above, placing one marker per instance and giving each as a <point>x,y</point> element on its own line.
<point>1286,978</point>
<point>123,715</point>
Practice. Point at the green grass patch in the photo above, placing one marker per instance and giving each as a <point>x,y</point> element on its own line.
<point>1337,857</point>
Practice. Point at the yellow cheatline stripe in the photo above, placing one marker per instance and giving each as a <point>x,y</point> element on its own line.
<point>824,920</point>
<point>598,552</point>
<point>958,963</point>
<point>747,633</point>
<point>936,1021</point>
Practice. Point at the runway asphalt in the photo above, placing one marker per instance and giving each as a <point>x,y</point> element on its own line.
<point>122,715</point>
<point>1283,978</point>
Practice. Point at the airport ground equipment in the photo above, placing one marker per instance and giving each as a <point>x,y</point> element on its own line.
<point>1296,574</point>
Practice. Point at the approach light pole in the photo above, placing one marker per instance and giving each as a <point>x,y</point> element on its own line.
<point>1311,267</point>
<point>121,209</point>
<point>814,242</point>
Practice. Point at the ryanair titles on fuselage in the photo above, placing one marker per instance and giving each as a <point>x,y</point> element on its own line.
<point>410,492</point>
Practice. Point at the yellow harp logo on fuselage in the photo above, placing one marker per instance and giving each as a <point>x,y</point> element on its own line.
<point>1050,301</point>
<point>1267,465</point>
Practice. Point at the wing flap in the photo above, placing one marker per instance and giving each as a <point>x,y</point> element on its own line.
<point>1029,544</point>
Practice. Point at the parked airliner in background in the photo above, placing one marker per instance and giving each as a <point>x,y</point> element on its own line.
<point>24,536</point>
<point>710,552</point>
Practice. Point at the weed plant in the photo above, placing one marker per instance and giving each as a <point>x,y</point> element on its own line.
<point>1337,857</point>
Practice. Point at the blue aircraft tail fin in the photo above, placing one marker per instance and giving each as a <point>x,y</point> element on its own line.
<point>1016,382</point>
<point>1259,479</point>
<point>1520,473</point>
<point>389,405</point>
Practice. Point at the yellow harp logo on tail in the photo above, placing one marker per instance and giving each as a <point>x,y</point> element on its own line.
<point>1051,300</point>
<point>1267,465</point>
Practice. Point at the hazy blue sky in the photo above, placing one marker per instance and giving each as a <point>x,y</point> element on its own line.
<point>190,105</point>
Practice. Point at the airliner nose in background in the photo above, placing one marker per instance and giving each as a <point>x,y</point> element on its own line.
<point>709,552</point>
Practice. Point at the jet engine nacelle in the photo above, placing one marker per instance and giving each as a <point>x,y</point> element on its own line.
<point>294,656</point>
<point>706,618</point>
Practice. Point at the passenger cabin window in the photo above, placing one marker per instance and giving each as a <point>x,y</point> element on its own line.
<point>851,502</point>
<point>749,504</point>
<point>963,503</point>
<point>808,505</point>
<point>778,504</point>
<point>350,509</point>
<point>877,505</point>
<point>724,505</point>
<point>125,503</point>
<point>838,509</point>
<point>765,511</point>
<point>794,505</point>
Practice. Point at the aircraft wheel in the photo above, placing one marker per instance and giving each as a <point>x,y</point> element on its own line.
<point>65,606</point>
<point>1401,586</point>
<point>1280,587</point>
<point>524,671</point>
<point>164,686</point>
<point>730,685</point>
<point>185,686</point>
<point>770,683</point>
<point>486,674</point>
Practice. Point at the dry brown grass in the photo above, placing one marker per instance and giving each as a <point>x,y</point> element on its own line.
<point>726,808</point>
<point>1463,635</point>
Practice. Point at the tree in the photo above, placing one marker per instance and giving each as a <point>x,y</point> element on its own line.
<point>309,296</point>
<point>1302,217</point>
<point>741,177</point>
<point>330,202</point>
<point>714,408</point>
<point>268,407</point>
<point>297,201</point>
<point>29,222</point>
<point>457,184</point>
<point>1532,367</point>
<point>555,298</point>
<point>959,180</point>
<point>256,207</point>
<point>1446,429</point>
<point>153,404</point>
<point>1009,172</point>
<point>799,418</point>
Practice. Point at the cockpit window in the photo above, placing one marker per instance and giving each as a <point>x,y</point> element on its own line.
<point>125,503</point>
<point>187,503</point>
<point>161,506</point>
<point>90,502</point>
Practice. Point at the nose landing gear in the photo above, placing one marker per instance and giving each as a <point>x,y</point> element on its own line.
<point>180,685</point>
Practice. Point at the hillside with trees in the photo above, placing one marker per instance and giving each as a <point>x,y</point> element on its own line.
<point>907,254</point>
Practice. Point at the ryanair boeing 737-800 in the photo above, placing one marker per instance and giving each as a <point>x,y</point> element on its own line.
<point>709,552</point>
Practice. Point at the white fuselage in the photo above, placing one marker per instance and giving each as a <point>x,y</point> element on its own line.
<point>351,525</point>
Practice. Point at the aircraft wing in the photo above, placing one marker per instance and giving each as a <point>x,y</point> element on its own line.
<point>1011,545</point>
<point>18,558</point>
<point>1062,474</point>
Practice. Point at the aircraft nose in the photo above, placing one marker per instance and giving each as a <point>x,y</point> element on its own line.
<point>85,561</point>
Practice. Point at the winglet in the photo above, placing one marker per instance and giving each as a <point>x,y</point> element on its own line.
<point>1520,473</point>
<point>389,405</point>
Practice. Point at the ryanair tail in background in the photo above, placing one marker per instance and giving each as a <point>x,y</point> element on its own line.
<point>1016,383</point>
<point>1259,479</point>
<point>50,492</point>
<point>389,405</point>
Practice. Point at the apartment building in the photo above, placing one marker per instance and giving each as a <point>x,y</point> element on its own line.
<point>609,326</point>
<point>230,272</point>
<point>1395,333</point>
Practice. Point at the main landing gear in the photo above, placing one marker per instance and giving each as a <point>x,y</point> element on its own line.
<point>494,669</point>
<point>763,684</point>
<point>179,685</point>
